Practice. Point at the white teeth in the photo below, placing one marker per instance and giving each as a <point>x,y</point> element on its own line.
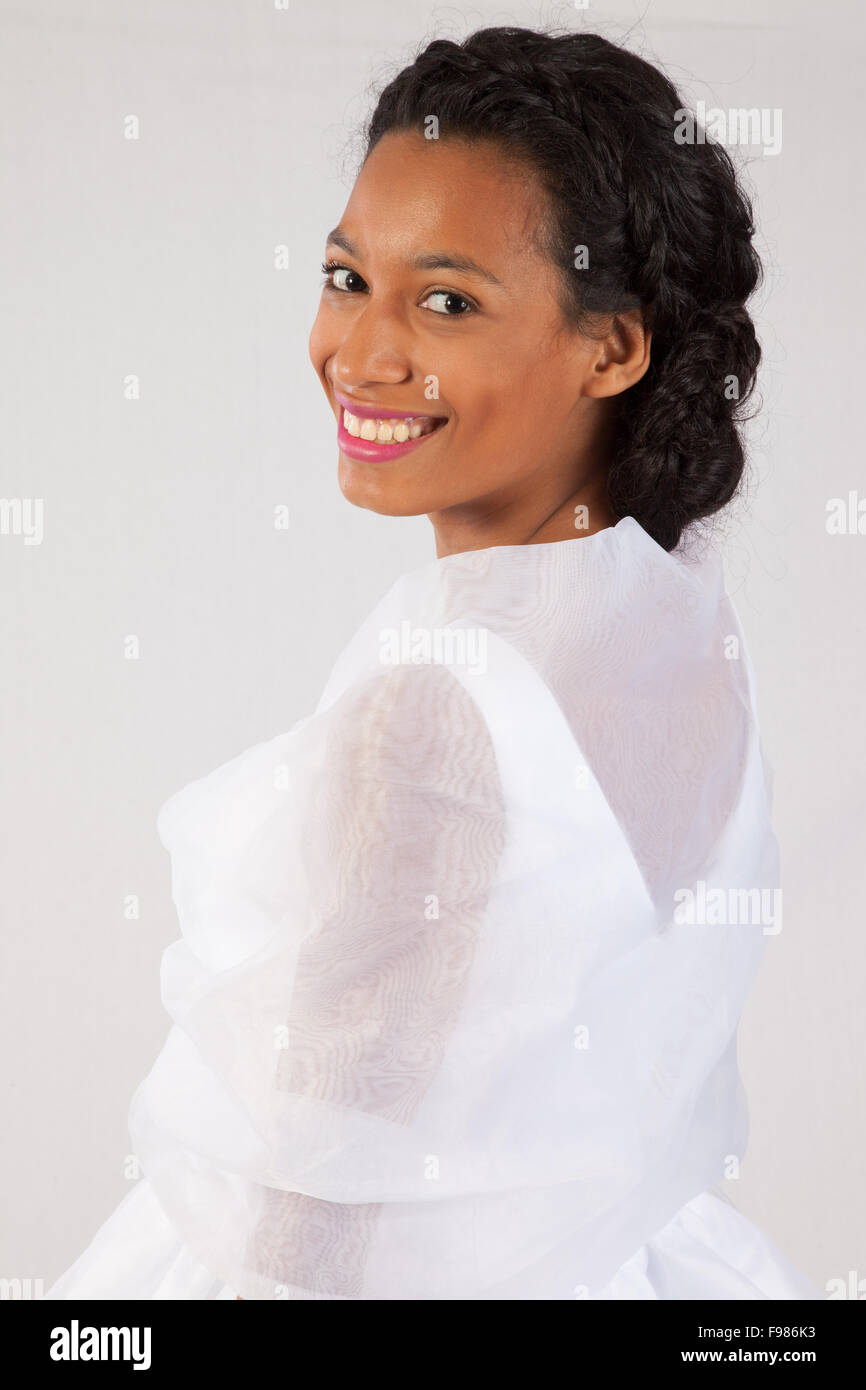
<point>385,431</point>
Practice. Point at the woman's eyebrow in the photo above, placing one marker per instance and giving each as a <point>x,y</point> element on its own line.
<point>453,260</point>
<point>428,260</point>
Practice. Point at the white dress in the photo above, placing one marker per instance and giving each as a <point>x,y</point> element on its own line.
<point>463,955</point>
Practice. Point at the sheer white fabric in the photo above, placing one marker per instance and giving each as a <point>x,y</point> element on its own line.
<point>444,1027</point>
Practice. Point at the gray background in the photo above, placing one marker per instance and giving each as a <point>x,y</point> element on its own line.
<point>155,257</point>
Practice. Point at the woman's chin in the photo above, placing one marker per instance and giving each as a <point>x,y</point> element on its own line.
<point>360,486</point>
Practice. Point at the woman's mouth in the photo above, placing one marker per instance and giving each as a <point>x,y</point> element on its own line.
<point>379,438</point>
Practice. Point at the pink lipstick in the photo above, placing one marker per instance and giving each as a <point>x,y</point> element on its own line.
<point>395,432</point>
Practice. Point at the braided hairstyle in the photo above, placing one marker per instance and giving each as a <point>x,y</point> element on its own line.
<point>666,226</point>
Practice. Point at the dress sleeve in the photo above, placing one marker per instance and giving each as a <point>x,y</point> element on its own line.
<point>401,846</point>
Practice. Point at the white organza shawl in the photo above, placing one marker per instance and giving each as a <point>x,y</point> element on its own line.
<point>463,952</point>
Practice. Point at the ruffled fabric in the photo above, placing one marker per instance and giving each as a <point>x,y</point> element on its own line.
<point>707,1251</point>
<point>464,951</point>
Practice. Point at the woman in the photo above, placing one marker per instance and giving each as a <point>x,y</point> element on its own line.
<point>464,951</point>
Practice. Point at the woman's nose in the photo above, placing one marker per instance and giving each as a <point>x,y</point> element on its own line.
<point>374,348</point>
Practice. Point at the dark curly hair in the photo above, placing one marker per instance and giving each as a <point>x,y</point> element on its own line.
<point>666,225</point>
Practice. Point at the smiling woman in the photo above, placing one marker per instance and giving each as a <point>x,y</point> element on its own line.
<point>586,338</point>
<point>518,402</point>
<point>441,1030</point>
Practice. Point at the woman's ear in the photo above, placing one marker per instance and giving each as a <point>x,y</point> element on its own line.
<point>623,355</point>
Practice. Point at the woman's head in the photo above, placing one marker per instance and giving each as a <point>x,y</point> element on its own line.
<point>603,355</point>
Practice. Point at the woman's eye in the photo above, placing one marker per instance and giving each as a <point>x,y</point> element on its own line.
<point>449,303</point>
<point>450,298</point>
<point>332,270</point>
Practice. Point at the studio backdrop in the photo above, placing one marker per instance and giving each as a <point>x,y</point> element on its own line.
<point>180,567</point>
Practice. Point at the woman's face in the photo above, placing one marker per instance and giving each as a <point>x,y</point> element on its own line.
<point>442,307</point>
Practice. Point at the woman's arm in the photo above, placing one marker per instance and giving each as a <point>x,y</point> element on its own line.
<point>403,843</point>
